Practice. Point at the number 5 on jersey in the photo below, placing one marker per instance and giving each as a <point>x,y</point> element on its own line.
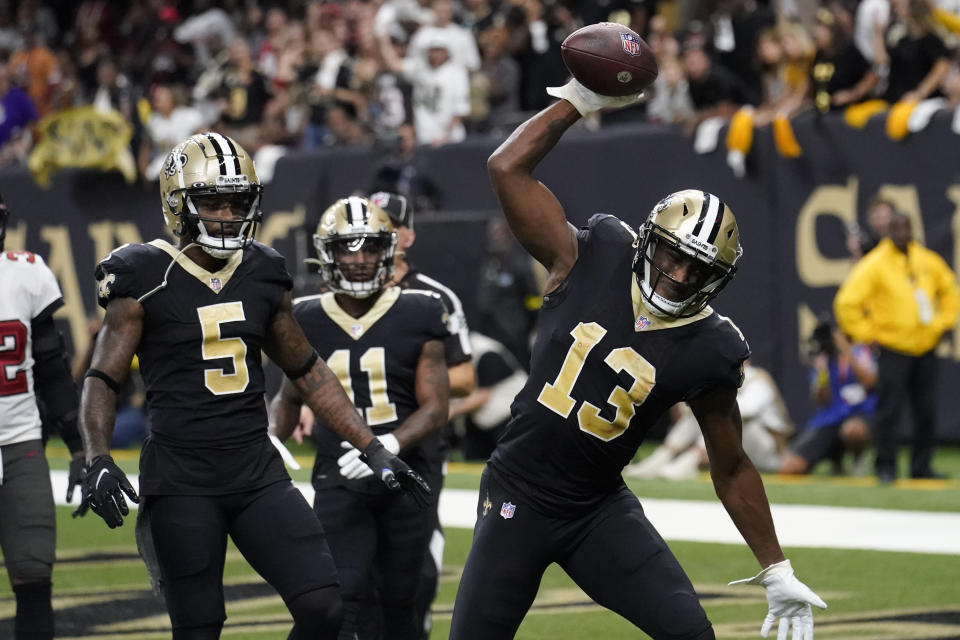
<point>214,347</point>
<point>557,398</point>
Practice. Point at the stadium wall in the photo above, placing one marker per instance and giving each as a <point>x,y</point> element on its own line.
<point>793,215</point>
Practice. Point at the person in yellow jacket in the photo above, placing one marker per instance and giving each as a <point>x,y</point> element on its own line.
<point>901,297</point>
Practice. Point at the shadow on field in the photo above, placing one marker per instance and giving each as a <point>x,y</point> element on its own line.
<point>123,606</point>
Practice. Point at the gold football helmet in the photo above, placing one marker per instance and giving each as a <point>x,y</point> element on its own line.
<point>699,226</point>
<point>355,242</point>
<point>212,169</point>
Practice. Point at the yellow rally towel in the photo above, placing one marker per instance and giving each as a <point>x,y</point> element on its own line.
<point>898,118</point>
<point>82,138</point>
<point>857,115</point>
<point>784,138</point>
<point>740,133</point>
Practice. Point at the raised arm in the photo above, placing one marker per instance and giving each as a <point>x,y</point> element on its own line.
<point>533,212</point>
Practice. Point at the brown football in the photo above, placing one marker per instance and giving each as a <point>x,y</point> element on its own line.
<point>610,59</point>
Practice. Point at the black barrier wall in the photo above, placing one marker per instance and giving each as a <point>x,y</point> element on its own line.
<point>792,213</point>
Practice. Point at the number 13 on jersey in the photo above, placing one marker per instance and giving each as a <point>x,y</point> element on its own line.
<point>557,398</point>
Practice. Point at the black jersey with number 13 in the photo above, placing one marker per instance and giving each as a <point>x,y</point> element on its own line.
<point>603,371</point>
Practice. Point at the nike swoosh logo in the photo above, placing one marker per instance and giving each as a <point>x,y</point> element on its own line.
<point>102,473</point>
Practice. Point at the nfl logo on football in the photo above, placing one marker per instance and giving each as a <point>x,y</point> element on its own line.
<point>630,43</point>
<point>507,510</point>
<point>215,284</point>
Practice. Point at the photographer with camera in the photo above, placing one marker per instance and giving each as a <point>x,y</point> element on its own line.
<point>842,379</point>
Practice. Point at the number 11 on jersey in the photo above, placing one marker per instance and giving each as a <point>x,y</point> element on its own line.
<point>373,363</point>
<point>557,398</point>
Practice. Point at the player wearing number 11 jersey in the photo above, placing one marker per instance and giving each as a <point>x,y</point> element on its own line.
<point>385,344</point>
<point>625,332</point>
<point>198,316</point>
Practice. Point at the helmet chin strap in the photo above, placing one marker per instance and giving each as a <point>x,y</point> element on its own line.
<point>220,254</point>
<point>658,305</point>
<point>346,289</point>
<point>370,287</point>
<point>653,301</point>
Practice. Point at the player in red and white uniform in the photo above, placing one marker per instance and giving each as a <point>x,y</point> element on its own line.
<point>33,371</point>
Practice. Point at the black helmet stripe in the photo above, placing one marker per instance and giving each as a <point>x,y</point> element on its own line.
<point>236,158</point>
<point>703,213</point>
<point>716,223</point>
<point>357,211</point>
<point>219,152</point>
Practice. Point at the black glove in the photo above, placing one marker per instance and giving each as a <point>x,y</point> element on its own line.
<point>74,480</point>
<point>395,473</point>
<point>103,487</point>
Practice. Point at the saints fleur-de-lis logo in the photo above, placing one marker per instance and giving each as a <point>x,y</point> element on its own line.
<point>487,505</point>
<point>103,286</point>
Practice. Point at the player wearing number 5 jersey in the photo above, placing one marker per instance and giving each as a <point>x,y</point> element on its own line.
<point>625,332</point>
<point>386,345</point>
<point>198,316</point>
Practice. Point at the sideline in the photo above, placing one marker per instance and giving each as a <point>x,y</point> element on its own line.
<point>702,521</point>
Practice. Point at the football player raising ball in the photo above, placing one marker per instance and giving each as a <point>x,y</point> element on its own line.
<point>611,66</point>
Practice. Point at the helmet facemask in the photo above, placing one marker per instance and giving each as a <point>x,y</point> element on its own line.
<point>357,265</point>
<point>658,248</point>
<point>217,236</point>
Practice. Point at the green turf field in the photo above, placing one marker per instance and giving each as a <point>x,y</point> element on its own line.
<point>101,588</point>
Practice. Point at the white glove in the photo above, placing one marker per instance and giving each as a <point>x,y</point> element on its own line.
<point>586,101</point>
<point>789,600</point>
<point>352,467</point>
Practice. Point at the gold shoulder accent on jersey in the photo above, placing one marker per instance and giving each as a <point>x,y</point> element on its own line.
<point>646,321</point>
<point>633,234</point>
<point>735,327</point>
<point>216,281</point>
<point>356,327</point>
<point>301,299</point>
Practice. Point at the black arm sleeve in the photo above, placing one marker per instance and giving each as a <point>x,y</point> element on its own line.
<point>54,385</point>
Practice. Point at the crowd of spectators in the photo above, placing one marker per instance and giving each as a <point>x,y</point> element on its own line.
<point>401,73</point>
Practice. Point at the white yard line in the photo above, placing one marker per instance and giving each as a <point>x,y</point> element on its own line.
<point>701,521</point>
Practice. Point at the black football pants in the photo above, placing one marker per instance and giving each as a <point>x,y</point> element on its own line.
<point>902,380</point>
<point>379,544</point>
<point>273,527</point>
<point>613,553</point>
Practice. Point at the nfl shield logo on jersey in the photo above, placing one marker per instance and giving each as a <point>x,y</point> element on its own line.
<point>356,330</point>
<point>642,322</point>
<point>215,284</point>
<point>507,510</point>
<point>630,43</point>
